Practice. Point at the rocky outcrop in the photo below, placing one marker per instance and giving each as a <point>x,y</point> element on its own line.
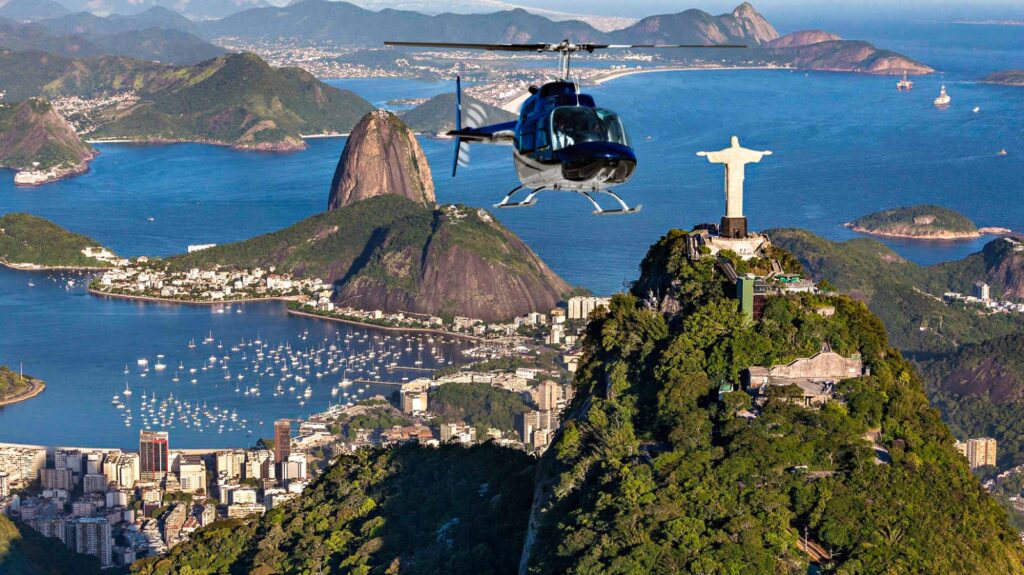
<point>742,25</point>
<point>1005,78</point>
<point>1001,264</point>
<point>802,38</point>
<point>849,56</point>
<point>385,245</point>
<point>467,264</point>
<point>746,22</point>
<point>40,143</point>
<point>381,157</point>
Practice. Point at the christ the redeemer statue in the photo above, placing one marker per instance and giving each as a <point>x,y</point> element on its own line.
<point>734,224</point>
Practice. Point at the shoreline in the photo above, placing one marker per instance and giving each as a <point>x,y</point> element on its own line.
<point>281,147</point>
<point>157,299</point>
<point>36,387</point>
<point>942,237</point>
<point>388,328</point>
<point>42,268</point>
<point>623,73</point>
<point>51,448</point>
<point>325,135</point>
<point>286,299</point>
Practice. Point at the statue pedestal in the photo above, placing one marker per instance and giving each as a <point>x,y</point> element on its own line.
<point>748,247</point>
<point>733,228</point>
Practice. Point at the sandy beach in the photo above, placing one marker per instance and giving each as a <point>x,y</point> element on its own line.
<point>387,328</point>
<point>153,299</point>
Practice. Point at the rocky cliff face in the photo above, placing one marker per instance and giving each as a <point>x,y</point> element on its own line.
<point>381,157</point>
<point>744,24</point>
<point>849,56</point>
<point>1002,265</point>
<point>802,38</point>
<point>464,263</point>
<point>33,136</point>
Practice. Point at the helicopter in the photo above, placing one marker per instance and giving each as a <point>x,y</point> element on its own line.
<point>562,140</point>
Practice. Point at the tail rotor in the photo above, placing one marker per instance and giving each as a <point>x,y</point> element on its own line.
<point>475,117</point>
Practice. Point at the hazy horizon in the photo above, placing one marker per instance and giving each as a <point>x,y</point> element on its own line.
<point>925,9</point>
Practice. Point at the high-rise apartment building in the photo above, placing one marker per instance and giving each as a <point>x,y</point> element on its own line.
<point>92,536</point>
<point>547,395</point>
<point>282,440</point>
<point>980,452</point>
<point>579,307</point>
<point>56,479</point>
<point>192,473</point>
<point>154,455</point>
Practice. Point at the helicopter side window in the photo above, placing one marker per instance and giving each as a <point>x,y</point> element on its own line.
<point>574,125</point>
<point>615,132</point>
<point>577,124</point>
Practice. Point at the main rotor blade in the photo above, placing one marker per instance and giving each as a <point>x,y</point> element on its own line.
<point>553,47</point>
<point>499,47</point>
<point>620,46</point>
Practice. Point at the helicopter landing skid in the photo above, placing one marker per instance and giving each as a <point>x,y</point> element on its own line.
<point>599,211</point>
<point>530,199</point>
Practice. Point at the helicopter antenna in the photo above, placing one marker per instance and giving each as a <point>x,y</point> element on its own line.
<point>565,49</point>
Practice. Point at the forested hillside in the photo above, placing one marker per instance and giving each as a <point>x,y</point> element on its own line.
<point>652,472</point>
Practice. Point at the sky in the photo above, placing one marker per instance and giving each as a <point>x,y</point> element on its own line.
<point>800,9</point>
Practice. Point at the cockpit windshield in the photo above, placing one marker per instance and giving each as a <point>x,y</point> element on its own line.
<point>577,124</point>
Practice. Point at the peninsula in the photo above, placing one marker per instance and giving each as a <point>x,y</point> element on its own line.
<point>384,252</point>
<point>40,143</point>
<point>921,222</point>
<point>15,387</point>
<point>1005,78</point>
<point>29,242</point>
<point>237,100</point>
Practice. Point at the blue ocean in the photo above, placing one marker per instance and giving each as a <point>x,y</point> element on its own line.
<point>843,145</point>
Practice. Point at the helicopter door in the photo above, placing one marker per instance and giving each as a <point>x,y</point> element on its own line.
<point>527,139</point>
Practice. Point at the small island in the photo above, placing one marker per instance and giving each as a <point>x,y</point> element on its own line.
<point>29,242</point>
<point>15,387</point>
<point>921,222</point>
<point>1005,78</point>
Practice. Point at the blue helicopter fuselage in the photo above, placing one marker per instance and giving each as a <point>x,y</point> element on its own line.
<point>564,141</point>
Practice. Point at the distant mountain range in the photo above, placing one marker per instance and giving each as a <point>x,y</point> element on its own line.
<point>345,23</point>
<point>164,34</point>
<point>195,9</point>
<point>159,35</point>
<point>236,100</point>
<point>28,10</point>
<point>603,23</point>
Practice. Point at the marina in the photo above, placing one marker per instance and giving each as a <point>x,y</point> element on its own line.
<point>347,366</point>
<point>213,376</point>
